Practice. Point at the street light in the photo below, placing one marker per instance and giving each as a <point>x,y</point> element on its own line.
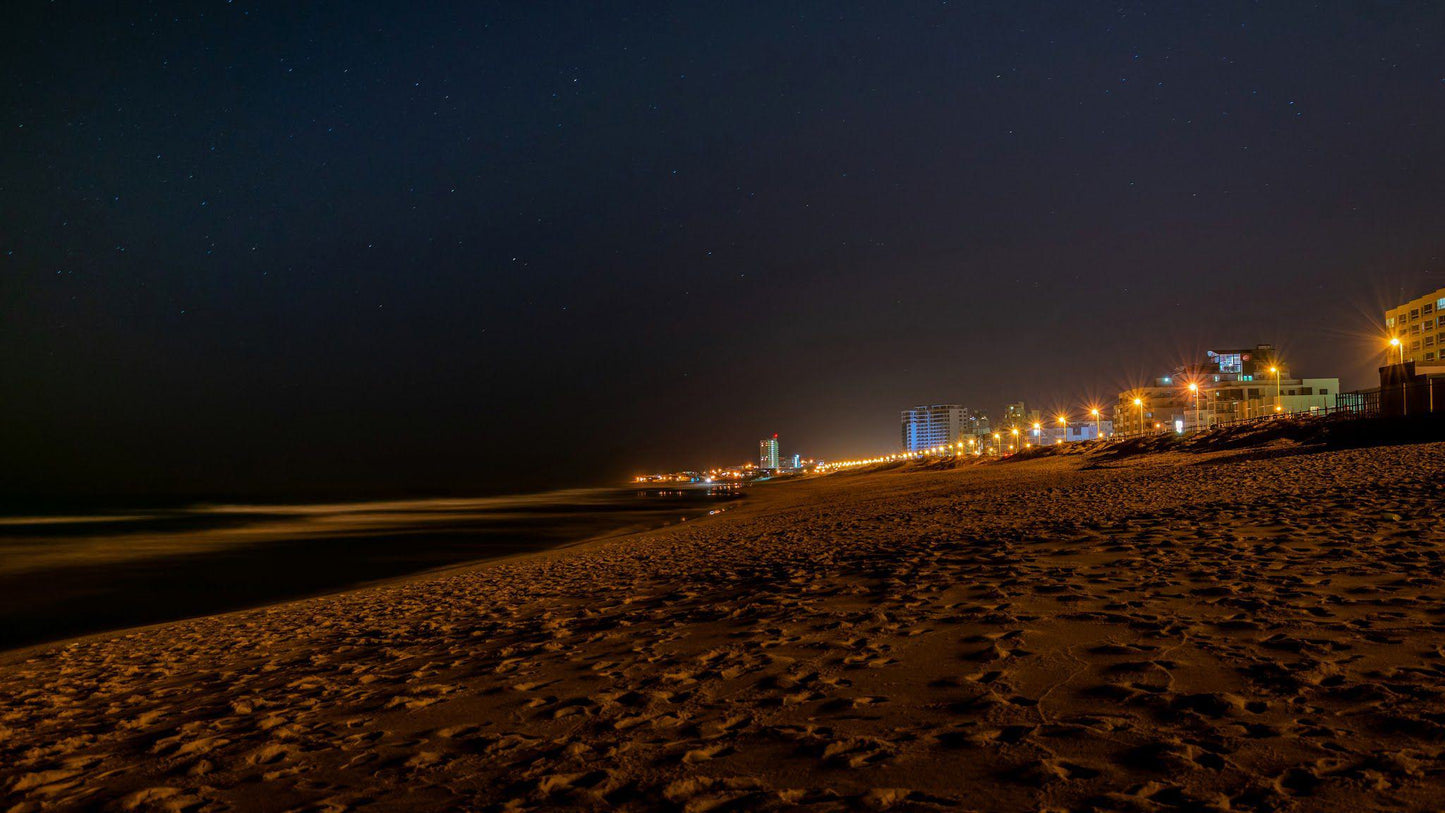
<point>1278,402</point>
<point>1015,431</point>
<point>1098,426</point>
<point>1404,399</point>
<point>1194,388</point>
<point>1139,402</point>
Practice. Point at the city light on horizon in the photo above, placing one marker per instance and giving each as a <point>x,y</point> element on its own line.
<point>1186,379</point>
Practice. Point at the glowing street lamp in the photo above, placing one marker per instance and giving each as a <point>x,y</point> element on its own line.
<point>1278,402</point>
<point>1404,400</point>
<point>1015,431</point>
<point>1194,388</point>
<point>1098,426</point>
<point>1139,402</point>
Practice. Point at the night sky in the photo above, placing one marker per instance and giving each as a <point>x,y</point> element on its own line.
<point>295,249</point>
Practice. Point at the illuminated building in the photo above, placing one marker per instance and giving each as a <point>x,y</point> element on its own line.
<point>1079,430</point>
<point>980,425</point>
<point>1246,364</point>
<point>768,452</point>
<point>925,427</point>
<point>1018,414</point>
<point>1418,326</point>
<point>1230,385</point>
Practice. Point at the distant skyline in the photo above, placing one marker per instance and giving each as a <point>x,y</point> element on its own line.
<point>256,249</point>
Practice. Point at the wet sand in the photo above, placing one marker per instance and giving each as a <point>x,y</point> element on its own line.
<point>1255,630</point>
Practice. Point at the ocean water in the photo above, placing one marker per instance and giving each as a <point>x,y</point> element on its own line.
<point>67,575</point>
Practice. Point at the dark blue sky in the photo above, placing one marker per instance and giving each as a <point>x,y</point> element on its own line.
<point>250,249</point>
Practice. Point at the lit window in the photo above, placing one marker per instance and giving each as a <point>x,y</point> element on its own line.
<point>1440,303</point>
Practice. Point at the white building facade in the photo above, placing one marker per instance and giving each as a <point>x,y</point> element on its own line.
<point>925,427</point>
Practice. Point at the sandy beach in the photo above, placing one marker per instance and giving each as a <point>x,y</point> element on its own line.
<point>1260,629</point>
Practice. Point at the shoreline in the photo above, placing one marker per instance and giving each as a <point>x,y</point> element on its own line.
<point>66,577</point>
<point>9,656</point>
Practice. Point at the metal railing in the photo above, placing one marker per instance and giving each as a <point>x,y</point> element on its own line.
<point>1421,396</point>
<point>1364,404</point>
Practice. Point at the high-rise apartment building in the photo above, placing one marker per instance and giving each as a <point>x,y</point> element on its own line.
<point>924,427</point>
<point>1418,326</point>
<point>768,452</point>
<point>1015,414</point>
<point>1019,415</point>
<point>974,422</point>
